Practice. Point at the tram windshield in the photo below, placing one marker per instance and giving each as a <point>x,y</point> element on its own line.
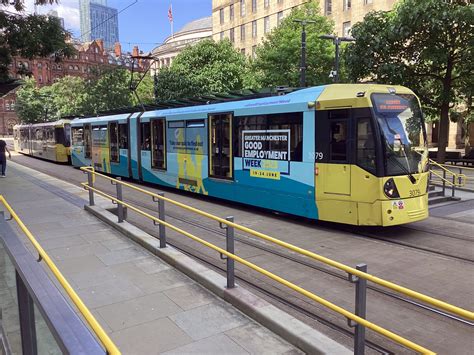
<point>403,133</point>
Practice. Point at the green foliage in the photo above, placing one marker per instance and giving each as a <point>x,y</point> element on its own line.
<point>204,68</point>
<point>145,90</point>
<point>73,96</point>
<point>30,36</point>
<point>426,45</point>
<point>31,105</point>
<point>279,56</point>
<point>111,90</point>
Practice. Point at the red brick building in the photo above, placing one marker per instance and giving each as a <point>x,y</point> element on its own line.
<point>46,71</point>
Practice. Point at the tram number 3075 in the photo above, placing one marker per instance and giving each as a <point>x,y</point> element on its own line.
<point>415,192</point>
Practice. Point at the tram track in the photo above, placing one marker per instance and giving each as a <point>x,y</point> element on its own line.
<point>240,238</point>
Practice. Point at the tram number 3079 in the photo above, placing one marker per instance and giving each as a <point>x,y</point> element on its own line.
<point>415,192</point>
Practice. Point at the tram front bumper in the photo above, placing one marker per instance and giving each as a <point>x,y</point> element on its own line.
<point>404,210</point>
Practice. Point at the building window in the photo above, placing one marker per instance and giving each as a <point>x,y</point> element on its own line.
<point>347,5</point>
<point>242,33</point>
<point>221,16</point>
<point>242,8</point>
<point>254,6</point>
<point>70,67</point>
<point>39,65</point>
<point>40,78</point>
<point>76,67</point>
<point>231,35</point>
<point>254,51</point>
<point>346,28</point>
<point>231,12</point>
<point>242,51</point>
<point>221,35</point>
<point>279,17</point>
<point>266,24</point>
<point>328,7</point>
<point>266,3</point>
<point>254,28</point>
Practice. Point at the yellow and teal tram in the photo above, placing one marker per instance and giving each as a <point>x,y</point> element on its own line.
<point>50,140</point>
<point>347,153</point>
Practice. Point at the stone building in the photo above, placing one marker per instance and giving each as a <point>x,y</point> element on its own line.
<point>191,33</point>
<point>46,71</point>
<point>245,22</point>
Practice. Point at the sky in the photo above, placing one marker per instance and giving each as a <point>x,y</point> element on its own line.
<point>145,23</point>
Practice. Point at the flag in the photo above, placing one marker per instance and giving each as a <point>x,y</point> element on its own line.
<point>170,14</point>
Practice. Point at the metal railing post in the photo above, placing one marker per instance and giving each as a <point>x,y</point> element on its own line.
<point>360,309</point>
<point>90,183</point>
<point>453,187</point>
<point>230,248</point>
<point>161,216</point>
<point>444,182</point>
<point>118,185</point>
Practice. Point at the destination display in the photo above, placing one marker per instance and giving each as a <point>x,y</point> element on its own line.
<point>266,151</point>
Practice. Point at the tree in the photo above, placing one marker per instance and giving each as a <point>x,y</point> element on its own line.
<point>144,90</point>
<point>109,90</point>
<point>172,85</point>
<point>30,36</point>
<point>204,68</point>
<point>32,105</point>
<point>69,96</point>
<point>426,45</point>
<point>279,56</point>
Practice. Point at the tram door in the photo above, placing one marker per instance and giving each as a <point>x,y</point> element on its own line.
<point>220,146</point>
<point>339,171</point>
<point>333,142</point>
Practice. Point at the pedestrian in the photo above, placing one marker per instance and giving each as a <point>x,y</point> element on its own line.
<point>3,157</point>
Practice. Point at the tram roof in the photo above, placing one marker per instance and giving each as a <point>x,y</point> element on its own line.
<point>44,124</point>
<point>323,94</point>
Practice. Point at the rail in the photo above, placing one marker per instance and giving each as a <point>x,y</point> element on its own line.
<point>353,272</point>
<point>100,333</point>
<point>444,175</point>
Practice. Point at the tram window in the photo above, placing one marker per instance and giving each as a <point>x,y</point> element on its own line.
<point>365,145</point>
<point>87,141</point>
<point>123,136</point>
<point>284,121</point>
<point>158,152</point>
<point>39,134</point>
<point>338,141</point>
<point>77,136</point>
<point>114,139</point>
<point>145,143</point>
<point>176,124</point>
<point>60,137</point>
<point>339,114</point>
<point>194,123</point>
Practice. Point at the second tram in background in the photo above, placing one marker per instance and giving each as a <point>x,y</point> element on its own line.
<point>50,140</point>
<point>342,153</point>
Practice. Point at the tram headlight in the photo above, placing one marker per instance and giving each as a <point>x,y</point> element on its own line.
<point>390,189</point>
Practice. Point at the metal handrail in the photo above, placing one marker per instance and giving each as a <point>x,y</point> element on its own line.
<point>98,330</point>
<point>459,180</point>
<point>406,291</point>
<point>395,337</point>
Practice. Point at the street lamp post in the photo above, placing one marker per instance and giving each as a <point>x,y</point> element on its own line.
<point>337,41</point>
<point>303,51</point>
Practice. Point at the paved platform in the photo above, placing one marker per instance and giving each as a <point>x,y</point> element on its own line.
<point>144,304</point>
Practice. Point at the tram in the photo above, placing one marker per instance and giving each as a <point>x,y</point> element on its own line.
<point>50,140</point>
<point>346,153</point>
